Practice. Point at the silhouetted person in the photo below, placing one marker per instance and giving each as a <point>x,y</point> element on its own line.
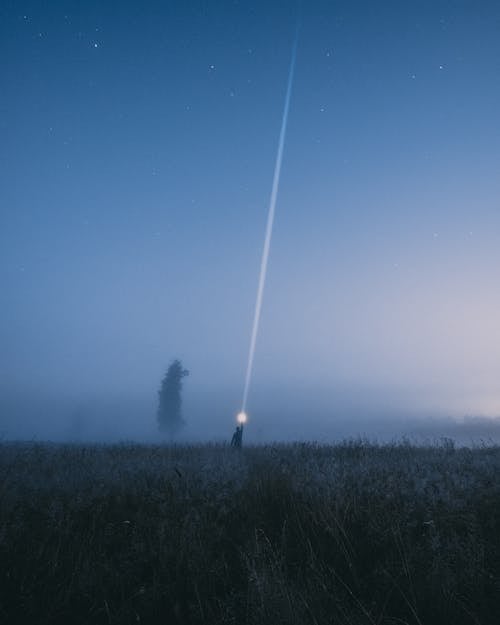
<point>237,439</point>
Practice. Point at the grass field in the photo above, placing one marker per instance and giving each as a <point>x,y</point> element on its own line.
<point>349,534</point>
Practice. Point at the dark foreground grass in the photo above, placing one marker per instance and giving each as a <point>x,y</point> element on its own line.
<point>349,534</point>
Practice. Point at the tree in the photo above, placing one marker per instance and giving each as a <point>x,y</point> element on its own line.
<point>169,408</point>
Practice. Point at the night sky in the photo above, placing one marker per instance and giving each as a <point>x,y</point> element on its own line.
<point>137,147</point>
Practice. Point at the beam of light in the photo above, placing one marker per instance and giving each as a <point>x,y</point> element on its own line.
<point>269,226</point>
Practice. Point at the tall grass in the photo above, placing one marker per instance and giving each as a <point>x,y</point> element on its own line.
<point>351,534</point>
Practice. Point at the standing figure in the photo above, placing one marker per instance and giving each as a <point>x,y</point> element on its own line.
<point>237,439</point>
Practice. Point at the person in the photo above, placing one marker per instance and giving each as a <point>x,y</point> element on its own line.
<point>237,439</point>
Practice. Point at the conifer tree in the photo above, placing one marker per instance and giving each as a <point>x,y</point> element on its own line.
<point>170,401</point>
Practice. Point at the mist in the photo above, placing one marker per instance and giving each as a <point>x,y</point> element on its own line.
<point>135,187</point>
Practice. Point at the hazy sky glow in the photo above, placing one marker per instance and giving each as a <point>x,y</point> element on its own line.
<point>137,146</point>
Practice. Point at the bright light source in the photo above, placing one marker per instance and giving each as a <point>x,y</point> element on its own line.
<point>241,417</point>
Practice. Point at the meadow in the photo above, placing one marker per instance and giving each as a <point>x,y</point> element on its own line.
<point>351,534</point>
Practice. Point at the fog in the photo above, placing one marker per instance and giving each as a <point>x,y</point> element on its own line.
<point>135,185</point>
<point>277,416</point>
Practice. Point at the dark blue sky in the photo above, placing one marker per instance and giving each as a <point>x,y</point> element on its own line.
<point>137,145</point>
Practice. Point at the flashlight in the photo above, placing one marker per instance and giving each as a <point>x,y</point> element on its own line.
<point>241,417</point>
